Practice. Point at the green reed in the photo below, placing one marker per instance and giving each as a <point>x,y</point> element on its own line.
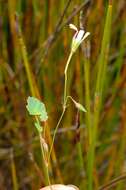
<point>102,64</point>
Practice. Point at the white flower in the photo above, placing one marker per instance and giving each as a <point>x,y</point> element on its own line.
<point>78,37</point>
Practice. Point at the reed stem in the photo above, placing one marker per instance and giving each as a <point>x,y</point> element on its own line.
<point>102,63</point>
<point>34,92</point>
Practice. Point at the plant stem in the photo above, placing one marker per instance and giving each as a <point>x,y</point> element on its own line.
<point>45,164</point>
<point>33,88</point>
<point>46,169</point>
<point>65,85</point>
<point>87,98</point>
<point>64,104</point>
<point>13,171</point>
<point>102,63</point>
<point>55,131</point>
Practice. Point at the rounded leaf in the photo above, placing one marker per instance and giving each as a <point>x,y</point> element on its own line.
<point>37,108</point>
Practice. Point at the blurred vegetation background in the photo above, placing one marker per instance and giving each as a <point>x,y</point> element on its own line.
<point>35,42</point>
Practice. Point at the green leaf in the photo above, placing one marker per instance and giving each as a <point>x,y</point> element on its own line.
<point>38,127</point>
<point>37,108</point>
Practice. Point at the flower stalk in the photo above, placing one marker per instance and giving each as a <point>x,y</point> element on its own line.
<point>78,38</point>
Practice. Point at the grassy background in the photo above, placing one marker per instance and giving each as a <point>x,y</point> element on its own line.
<point>30,55</point>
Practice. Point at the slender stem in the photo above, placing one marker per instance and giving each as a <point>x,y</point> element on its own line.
<point>65,72</point>
<point>64,107</point>
<point>55,131</point>
<point>70,98</point>
<point>64,104</point>
<point>44,162</point>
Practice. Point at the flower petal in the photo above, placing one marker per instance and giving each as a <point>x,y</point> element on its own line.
<point>80,35</point>
<point>85,36</point>
<point>72,26</point>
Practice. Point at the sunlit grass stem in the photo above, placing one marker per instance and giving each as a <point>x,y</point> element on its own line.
<point>87,97</point>
<point>34,92</point>
<point>102,63</point>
